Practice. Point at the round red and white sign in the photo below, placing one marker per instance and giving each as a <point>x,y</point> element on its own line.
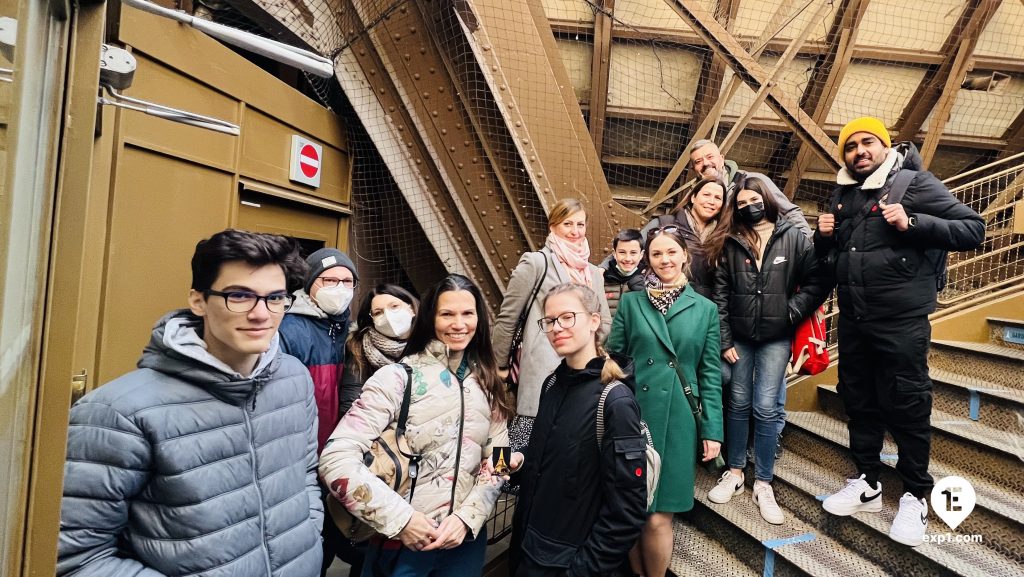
<point>309,161</point>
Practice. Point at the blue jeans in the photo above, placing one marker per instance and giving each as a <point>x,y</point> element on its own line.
<point>758,386</point>
<point>466,560</point>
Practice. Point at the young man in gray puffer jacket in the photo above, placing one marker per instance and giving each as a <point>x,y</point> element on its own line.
<point>203,461</point>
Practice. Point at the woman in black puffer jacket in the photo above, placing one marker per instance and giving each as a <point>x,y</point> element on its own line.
<point>765,284</point>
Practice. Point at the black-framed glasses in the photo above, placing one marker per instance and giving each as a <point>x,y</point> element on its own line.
<point>245,301</point>
<point>564,320</point>
<point>333,282</point>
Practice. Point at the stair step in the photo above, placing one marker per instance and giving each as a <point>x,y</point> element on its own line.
<point>822,555</point>
<point>704,544</point>
<point>998,407</point>
<point>1007,449</point>
<point>997,328</point>
<point>825,439</point>
<point>1001,365</point>
<point>801,479</point>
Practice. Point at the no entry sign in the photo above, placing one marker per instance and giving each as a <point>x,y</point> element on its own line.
<point>305,161</point>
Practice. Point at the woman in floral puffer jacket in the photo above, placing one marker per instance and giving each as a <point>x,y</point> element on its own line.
<point>455,387</point>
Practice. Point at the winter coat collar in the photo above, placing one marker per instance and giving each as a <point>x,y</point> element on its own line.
<point>659,322</point>
<point>176,348</point>
<point>876,179</point>
<point>305,306</point>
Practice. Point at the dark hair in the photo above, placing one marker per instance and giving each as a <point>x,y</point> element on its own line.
<point>479,353</point>
<point>688,197</point>
<point>253,248</point>
<point>591,304</point>
<point>627,235</point>
<point>730,223</point>
<point>364,322</point>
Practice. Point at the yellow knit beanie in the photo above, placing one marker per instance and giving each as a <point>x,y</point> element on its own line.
<point>868,124</point>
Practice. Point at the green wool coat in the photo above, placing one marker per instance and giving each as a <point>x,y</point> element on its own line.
<point>689,335</point>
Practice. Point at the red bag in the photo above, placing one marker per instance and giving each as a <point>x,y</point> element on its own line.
<point>810,356</point>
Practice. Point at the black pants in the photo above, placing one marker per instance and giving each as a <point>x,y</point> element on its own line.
<point>883,381</point>
<point>336,544</point>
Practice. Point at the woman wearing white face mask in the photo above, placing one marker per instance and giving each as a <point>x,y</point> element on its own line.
<point>383,320</point>
<point>314,331</point>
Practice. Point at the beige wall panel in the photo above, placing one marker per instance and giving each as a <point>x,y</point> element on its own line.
<point>572,10</point>
<point>266,150</point>
<point>577,57</point>
<point>212,63</point>
<point>158,83</point>
<point>1002,36</point>
<point>639,78</point>
<point>754,16</point>
<point>653,14</point>
<point>909,26</point>
<point>889,87</point>
<point>793,81</point>
<point>154,226</point>
<point>988,114</point>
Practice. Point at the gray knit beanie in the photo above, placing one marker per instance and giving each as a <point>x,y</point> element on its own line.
<point>324,259</point>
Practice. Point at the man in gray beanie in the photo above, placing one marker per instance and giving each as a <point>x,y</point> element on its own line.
<point>314,331</point>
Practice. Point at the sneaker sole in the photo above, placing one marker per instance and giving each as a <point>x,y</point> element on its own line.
<point>727,499</point>
<point>872,507</point>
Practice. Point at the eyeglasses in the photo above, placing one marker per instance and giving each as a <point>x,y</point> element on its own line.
<point>244,301</point>
<point>564,320</point>
<point>333,282</point>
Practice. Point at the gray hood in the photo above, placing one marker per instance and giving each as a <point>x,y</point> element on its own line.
<point>176,348</point>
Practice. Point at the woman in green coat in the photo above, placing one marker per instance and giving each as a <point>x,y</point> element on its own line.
<point>669,329</point>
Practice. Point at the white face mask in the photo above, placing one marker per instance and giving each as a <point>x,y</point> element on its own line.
<point>334,300</point>
<point>394,323</point>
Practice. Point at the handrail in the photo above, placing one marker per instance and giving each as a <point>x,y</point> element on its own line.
<point>983,168</point>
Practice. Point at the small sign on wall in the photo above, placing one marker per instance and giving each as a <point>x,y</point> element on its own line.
<point>305,161</point>
<point>1013,335</point>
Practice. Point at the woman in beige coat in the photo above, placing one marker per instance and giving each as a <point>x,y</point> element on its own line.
<point>564,258</point>
<point>457,414</point>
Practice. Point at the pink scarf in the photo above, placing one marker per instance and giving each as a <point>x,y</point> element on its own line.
<point>575,257</point>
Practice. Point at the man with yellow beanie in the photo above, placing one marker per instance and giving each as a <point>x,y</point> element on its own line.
<point>885,238</point>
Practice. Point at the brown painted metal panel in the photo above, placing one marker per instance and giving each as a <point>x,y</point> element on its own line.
<point>266,153</point>
<point>154,226</point>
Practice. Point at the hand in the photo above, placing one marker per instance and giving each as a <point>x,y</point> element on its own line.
<point>826,224</point>
<point>516,461</point>
<point>711,450</point>
<point>503,374</point>
<point>895,215</point>
<point>731,356</point>
<point>450,534</point>
<point>419,532</point>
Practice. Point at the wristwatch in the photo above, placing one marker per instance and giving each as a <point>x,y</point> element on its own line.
<point>911,221</point>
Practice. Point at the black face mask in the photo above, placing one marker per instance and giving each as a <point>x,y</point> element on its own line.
<point>752,213</point>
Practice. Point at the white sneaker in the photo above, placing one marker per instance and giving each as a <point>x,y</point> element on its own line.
<point>764,498</point>
<point>728,487</point>
<point>910,523</point>
<point>855,497</point>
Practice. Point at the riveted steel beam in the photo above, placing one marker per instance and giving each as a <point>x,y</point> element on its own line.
<point>755,76</point>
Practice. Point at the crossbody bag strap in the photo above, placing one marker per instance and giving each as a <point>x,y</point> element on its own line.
<point>695,406</point>
<point>403,418</point>
<point>600,411</point>
<point>520,327</point>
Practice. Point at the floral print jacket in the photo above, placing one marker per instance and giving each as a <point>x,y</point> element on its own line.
<point>432,431</point>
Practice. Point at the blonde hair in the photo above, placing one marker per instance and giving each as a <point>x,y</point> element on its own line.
<point>563,209</point>
<point>592,305</point>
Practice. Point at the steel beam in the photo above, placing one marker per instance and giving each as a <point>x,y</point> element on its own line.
<point>599,70</point>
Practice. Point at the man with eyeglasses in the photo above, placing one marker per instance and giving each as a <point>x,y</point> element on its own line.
<point>203,460</point>
<point>314,331</point>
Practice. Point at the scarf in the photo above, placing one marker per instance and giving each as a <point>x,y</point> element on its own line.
<point>575,257</point>
<point>662,295</point>
<point>703,230</point>
<point>381,349</point>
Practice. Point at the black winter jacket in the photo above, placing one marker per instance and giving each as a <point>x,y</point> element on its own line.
<point>884,273</point>
<point>764,305</point>
<point>617,284</point>
<point>581,508</point>
<point>699,273</point>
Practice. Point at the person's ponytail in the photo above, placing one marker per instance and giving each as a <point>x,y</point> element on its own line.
<point>611,371</point>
